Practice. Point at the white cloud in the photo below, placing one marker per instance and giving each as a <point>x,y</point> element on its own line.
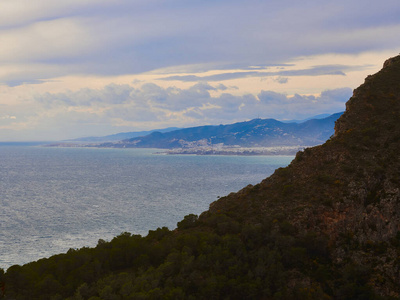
<point>20,12</point>
<point>116,108</point>
<point>44,41</point>
<point>7,117</point>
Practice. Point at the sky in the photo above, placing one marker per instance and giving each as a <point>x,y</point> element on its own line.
<point>71,69</point>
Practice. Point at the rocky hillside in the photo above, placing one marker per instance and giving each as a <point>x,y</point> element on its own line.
<point>346,190</point>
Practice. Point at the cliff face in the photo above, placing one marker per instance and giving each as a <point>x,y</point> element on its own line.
<point>347,189</point>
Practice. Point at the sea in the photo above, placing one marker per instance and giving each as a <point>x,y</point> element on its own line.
<point>54,199</point>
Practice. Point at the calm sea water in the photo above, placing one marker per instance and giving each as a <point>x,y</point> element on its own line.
<point>53,199</point>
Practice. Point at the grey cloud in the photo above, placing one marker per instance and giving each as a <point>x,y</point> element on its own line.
<point>110,94</point>
<point>221,67</point>
<point>281,80</point>
<point>341,94</point>
<point>245,105</point>
<point>217,77</point>
<point>319,70</point>
<point>135,113</point>
<point>136,36</point>
<point>203,86</point>
<point>21,81</point>
<point>187,78</point>
<point>268,97</point>
<point>137,81</point>
<point>116,105</point>
<point>300,106</point>
<point>221,87</point>
<point>150,92</point>
<point>314,71</point>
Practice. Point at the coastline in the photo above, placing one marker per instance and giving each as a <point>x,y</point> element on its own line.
<point>242,151</point>
<point>204,150</point>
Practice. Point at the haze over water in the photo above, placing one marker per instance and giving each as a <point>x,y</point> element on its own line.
<point>53,199</point>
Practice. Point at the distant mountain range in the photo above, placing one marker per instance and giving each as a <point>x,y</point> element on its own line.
<point>254,133</point>
<point>133,134</point>
<point>118,136</point>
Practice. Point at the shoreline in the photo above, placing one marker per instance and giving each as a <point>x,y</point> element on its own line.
<point>240,151</point>
<point>205,150</point>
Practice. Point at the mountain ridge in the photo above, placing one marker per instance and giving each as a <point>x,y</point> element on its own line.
<point>253,133</point>
<point>119,136</point>
<point>132,134</point>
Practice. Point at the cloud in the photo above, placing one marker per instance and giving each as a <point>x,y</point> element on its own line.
<point>204,67</point>
<point>109,95</point>
<point>6,119</point>
<point>269,97</point>
<point>130,37</point>
<point>221,87</point>
<point>312,71</point>
<point>281,80</point>
<point>18,82</point>
<point>117,108</point>
<point>46,41</point>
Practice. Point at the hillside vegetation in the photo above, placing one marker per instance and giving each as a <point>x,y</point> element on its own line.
<point>325,227</point>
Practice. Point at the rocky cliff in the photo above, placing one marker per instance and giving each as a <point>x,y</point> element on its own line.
<point>347,189</point>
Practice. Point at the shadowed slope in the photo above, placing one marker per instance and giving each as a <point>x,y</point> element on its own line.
<point>346,189</point>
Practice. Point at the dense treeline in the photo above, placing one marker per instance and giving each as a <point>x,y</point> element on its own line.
<point>213,258</point>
